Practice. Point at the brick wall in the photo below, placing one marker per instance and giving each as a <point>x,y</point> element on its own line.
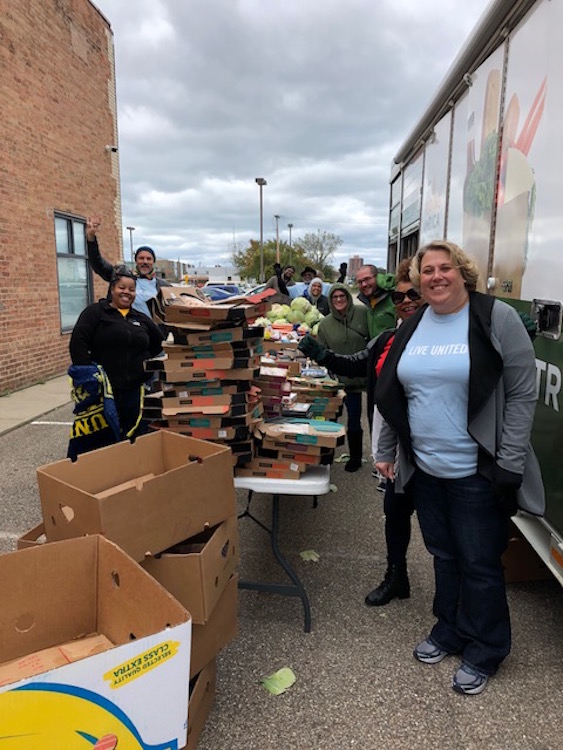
<point>57,93</point>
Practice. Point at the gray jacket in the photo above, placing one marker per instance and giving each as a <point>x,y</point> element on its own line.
<point>502,399</point>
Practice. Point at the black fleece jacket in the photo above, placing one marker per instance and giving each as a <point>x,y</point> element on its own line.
<point>120,344</point>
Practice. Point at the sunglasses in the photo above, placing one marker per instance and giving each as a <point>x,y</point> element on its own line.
<point>398,297</point>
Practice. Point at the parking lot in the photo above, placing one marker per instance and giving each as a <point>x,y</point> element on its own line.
<point>357,682</point>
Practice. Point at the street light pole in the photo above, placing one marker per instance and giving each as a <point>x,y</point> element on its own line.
<point>290,227</point>
<point>260,181</point>
<point>131,230</point>
<point>277,217</point>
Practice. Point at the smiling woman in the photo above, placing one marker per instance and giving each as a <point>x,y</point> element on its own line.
<point>113,336</point>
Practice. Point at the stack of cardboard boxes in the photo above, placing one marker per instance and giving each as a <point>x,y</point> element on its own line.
<point>285,448</point>
<point>168,501</point>
<point>204,387</point>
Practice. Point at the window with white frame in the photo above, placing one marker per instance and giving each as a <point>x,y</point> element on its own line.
<point>75,290</point>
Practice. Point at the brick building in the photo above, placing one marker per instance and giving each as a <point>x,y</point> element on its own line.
<point>354,265</point>
<point>57,131</point>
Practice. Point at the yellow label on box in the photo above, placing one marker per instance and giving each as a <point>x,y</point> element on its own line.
<point>140,665</point>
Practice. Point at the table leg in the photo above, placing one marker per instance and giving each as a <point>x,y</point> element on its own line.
<point>277,588</point>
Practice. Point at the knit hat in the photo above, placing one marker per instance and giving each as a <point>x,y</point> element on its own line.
<point>316,280</point>
<point>145,249</point>
<point>308,269</point>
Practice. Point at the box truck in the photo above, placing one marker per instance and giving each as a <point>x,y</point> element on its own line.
<point>483,167</point>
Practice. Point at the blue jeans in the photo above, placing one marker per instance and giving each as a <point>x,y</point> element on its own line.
<point>353,403</point>
<point>466,533</point>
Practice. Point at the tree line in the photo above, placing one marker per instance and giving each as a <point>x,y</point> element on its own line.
<point>315,249</point>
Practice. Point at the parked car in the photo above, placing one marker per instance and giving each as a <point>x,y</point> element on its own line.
<point>230,288</point>
<point>216,294</point>
<point>256,289</point>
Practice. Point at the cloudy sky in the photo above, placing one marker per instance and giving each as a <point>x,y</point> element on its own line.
<point>316,96</point>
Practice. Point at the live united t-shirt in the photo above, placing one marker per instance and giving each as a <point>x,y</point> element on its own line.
<point>434,372</point>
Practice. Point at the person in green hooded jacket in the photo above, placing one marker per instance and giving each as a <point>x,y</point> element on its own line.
<point>345,331</point>
<point>375,293</point>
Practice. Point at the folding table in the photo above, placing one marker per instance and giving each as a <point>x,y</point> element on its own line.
<point>315,481</point>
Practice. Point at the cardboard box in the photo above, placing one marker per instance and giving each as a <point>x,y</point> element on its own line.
<point>218,336</point>
<point>303,432</point>
<point>202,697</point>
<point>218,631</point>
<point>197,571</point>
<point>33,537</point>
<point>247,471</point>
<point>137,690</point>
<point>192,489</point>
<point>172,372</point>
<point>521,562</point>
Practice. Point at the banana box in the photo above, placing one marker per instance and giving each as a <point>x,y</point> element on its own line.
<point>93,651</point>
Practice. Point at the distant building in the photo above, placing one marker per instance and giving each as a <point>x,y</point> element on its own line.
<point>354,265</point>
<point>58,150</point>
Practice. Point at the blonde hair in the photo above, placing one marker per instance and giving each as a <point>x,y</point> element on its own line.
<point>467,266</point>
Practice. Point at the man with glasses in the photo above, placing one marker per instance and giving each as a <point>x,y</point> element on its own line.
<point>375,293</point>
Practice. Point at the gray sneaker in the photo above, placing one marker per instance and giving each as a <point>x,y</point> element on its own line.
<point>469,681</point>
<point>428,653</point>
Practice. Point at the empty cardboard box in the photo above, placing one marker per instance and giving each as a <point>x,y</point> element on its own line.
<point>127,680</point>
<point>197,571</point>
<point>202,696</point>
<point>145,496</point>
<point>218,631</point>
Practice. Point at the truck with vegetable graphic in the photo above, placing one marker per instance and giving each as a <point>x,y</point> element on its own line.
<point>482,168</point>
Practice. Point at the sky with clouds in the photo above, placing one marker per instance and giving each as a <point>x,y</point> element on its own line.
<point>316,96</point>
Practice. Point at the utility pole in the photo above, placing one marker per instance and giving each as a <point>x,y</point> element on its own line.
<point>277,217</point>
<point>290,226</point>
<point>260,181</point>
<point>131,230</point>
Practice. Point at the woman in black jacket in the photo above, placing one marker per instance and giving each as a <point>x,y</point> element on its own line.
<point>110,333</point>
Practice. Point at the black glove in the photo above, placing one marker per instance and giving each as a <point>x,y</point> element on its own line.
<point>343,269</point>
<point>529,324</point>
<point>311,348</point>
<point>277,269</point>
<point>505,489</point>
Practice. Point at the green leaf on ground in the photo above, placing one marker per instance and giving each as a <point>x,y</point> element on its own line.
<point>280,681</point>
<point>342,458</point>
<point>333,488</point>
<point>309,555</point>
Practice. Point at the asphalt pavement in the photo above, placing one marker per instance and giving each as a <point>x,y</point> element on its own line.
<point>358,685</point>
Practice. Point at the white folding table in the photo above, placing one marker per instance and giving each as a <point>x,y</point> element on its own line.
<point>314,482</point>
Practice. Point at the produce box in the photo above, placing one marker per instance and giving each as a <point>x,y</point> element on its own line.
<point>125,643</point>
<point>197,571</point>
<point>145,496</point>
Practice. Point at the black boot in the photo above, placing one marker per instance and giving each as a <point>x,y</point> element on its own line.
<point>355,441</point>
<point>394,585</point>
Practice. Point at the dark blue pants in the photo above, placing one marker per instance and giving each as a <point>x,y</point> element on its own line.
<point>353,403</point>
<point>466,533</point>
<point>398,510</point>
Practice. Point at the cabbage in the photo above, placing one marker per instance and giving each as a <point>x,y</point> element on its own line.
<point>284,311</point>
<point>262,322</point>
<point>312,317</point>
<point>315,329</point>
<point>301,304</point>
<point>280,322</point>
<point>295,316</point>
<point>272,315</point>
<point>303,329</point>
